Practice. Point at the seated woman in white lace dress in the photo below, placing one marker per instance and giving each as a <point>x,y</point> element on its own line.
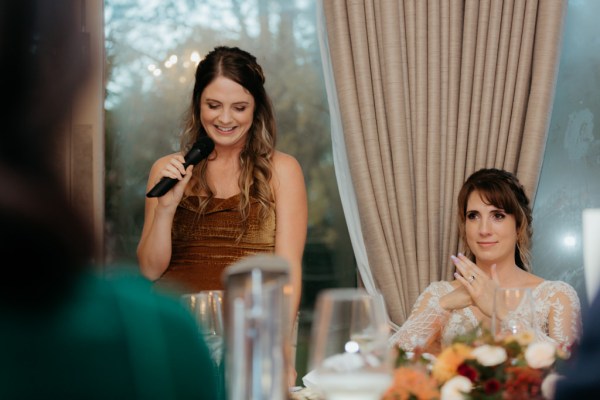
<point>495,226</point>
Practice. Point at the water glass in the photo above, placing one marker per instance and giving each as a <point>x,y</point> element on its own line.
<point>513,312</point>
<point>207,309</point>
<point>349,352</point>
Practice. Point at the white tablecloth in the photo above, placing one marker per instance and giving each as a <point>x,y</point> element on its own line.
<point>304,394</point>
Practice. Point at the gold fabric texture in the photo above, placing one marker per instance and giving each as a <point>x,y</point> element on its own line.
<point>204,245</point>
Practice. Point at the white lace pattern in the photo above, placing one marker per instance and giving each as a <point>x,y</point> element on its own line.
<point>557,317</point>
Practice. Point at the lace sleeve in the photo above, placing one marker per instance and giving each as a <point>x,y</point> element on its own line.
<point>561,305</point>
<point>424,323</point>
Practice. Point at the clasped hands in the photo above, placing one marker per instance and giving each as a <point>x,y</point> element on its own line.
<point>477,288</point>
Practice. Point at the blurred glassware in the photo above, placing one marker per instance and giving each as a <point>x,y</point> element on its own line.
<point>207,309</point>
<point>350,358</point>
<point>591,251</point>
<point>258,328</point>
<point>513,312</point>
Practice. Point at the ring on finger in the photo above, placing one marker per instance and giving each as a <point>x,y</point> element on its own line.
<point>471,278</point>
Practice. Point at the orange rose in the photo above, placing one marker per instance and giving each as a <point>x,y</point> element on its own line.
<point>412,382</point>
<point>446,365</point>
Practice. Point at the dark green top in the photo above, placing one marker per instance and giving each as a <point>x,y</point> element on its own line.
<point>110,339</point>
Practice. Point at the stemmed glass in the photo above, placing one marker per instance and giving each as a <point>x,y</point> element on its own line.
<point>513,312</point>
<point>207,309</point>
<point>349,354</point>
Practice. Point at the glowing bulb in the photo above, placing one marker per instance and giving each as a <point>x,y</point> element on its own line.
<point>195,57</point>
<point>351,347</point>
<point>569,240</point>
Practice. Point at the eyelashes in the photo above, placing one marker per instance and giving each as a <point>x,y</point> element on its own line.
<point>216,106</point>
<point>498,216</point>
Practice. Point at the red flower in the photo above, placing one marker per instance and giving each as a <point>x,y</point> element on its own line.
<point>468,371</point>
<point>523,383</point>
<point>491,386</point>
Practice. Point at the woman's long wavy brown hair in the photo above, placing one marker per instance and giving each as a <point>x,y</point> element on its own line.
<point>256,156</point>
<point>503,190</point>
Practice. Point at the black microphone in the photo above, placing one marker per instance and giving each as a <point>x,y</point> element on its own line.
<point>199,151</point>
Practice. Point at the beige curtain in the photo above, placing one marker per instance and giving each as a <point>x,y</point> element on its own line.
<point>429,91</point>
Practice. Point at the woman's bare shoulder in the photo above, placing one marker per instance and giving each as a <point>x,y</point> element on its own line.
<point>556,286</point>
<point>284,160</point>
<point>286,168</point>
<point>531,280</point>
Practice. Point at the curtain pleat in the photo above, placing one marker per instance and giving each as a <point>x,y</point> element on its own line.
<point>428,92</point>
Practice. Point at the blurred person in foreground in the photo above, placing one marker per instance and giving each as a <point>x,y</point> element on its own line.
<point>65,331</point>
<point>579,378</point>
<point>495,223</point>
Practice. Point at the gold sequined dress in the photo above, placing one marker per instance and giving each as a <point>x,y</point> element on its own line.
<point>204,245</point>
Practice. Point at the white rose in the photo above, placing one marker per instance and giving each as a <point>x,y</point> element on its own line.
<point>456,388</point>
<point>549,385</point>
<point>489,356</point>
<point>540,354</point>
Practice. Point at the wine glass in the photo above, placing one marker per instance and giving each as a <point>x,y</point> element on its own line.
<point>513,312</point>
<point>207,309</point>
<point>349,354</point>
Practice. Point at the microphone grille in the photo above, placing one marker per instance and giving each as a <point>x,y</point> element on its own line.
<point>200,150</point>
<point>205,144</point>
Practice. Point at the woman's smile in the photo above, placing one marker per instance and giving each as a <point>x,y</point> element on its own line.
<point>226,111</point>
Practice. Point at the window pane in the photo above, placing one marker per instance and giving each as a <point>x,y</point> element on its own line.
<point>569,181</point>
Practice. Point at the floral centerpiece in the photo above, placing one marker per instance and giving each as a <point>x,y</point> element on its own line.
<point>476,366</point>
